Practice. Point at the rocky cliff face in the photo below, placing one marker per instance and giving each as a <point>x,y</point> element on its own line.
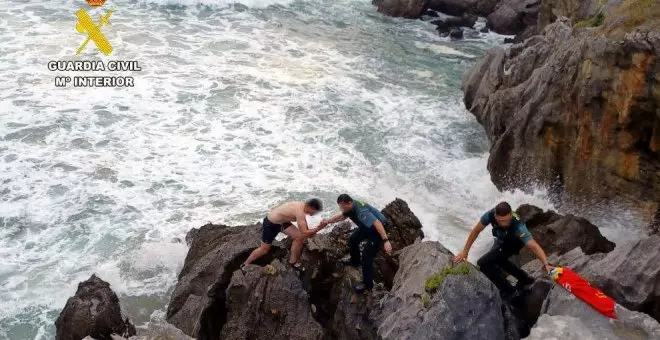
<point>429,297</point>
<point>578,113</point>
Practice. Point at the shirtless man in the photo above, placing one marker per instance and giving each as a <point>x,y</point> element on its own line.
<point>279,220</point>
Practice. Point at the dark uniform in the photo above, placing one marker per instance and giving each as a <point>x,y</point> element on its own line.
<point>364,216</point>
<point>508,242</point>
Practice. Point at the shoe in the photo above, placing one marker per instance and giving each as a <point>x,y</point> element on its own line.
<point>361,288</point>
<point>298,266</point>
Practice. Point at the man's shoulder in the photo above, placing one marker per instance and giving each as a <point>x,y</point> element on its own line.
<point>488,218</point>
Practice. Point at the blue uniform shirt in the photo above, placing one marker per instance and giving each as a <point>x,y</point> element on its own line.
<point>517,229</point>
<point>364,215</point>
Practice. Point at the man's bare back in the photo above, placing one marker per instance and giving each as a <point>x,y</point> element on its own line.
<point>287,212</point>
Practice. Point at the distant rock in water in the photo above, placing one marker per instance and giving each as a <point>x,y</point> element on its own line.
<point>560,234</point>
<point>94,311</point>
<point>411,9</point>
<point>451,26</point>
<point>456,33</point>
<point>513,16</point>
<point>574,112</point>
<point>461,7</point>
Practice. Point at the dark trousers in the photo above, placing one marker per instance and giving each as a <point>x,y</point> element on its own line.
<point>371,248</point>
<point>497,259</point>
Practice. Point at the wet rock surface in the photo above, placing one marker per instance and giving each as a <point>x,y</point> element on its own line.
<point>560,234</point>
<point>575,113</point>
<point>629,273</point>
<point>419,292</point>
<point>93,311</point>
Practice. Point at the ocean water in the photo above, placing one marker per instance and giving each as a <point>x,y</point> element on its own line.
<point>238,107</point>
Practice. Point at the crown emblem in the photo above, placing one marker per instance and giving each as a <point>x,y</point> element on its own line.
<point>95,3</point>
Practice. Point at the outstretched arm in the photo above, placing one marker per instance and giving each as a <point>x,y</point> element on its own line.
<point>334,219</point>
<point>462,256</point>
<point>535,248</point>
<point>301,221</point>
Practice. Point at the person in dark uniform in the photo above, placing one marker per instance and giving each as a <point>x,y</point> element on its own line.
<point>511,236</point>
<point>371,227</point>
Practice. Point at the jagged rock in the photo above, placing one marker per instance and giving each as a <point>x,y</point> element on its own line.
<point>456,33</point>
<point>577,114</point>
<point>430,15</point>
<point>351,316</point>
<point>446,23</point>
<point>562,309</point>
<point>629,273</point>
<point>160,331</point>
<point>199,305</point>
<point>268,306</point>
<point>460,7</point>
<point>93,311</point>
<point>216,251</point>
<point>513,16</point>
<point>464,307</point>
<point>534,216</point>
<point>411,9</point>
<point>529,309</point>
<point>654,226</point>
<point>560,234</point>
<point>404,227</point>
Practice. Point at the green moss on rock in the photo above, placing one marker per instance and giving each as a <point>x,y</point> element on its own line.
<point>426,301</point>
<point>433,283</point>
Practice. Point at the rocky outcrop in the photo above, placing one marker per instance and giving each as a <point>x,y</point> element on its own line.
<point>513,16</point>
<point>404,227</point>
<point>567,317</point>
<point>411,9</point>
<point>93,311</point>
<point>559,234</point>
<point>160,331</point>
<point>629,273</point>
<point>461,7</point>
<point>268,303</point>
<point>464,306</point>
<point>577,114</point>
<point>214,299</point>
<point>197,305</point>
<point>427,297</point>
<point>449,25</point>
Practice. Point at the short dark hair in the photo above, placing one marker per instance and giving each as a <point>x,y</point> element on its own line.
<point>344,198</point>
<point>502,209</point>
<point>315,204</point>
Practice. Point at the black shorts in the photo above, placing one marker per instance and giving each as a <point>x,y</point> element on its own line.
<point>270,230</point>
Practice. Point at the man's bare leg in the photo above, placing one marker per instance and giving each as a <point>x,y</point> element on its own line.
<point>296,247</point>
<point>263,249</point>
